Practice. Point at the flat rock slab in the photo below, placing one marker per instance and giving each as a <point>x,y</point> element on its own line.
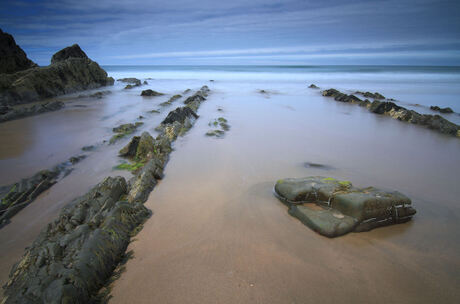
<point>340,207</point>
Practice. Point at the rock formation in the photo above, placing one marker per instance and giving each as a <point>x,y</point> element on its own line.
<point>334,208</point>
<point>12,57</point>
<point>70,71</point>
<point>434,122</point>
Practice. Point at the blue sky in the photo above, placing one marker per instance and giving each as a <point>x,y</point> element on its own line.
<point>200,32</point>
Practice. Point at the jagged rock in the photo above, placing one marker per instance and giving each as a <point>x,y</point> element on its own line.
<point>73,256</point>
<point>12,57</point>
<point>194,101</point>
<point>180,114</point>
<point>151,93</point>
<point>130,149</point>
<point>67,76</point>
<point>333,208</point>
<point>25,111</point>
<point>339,96</point>
<point>446,110</point>
<point>375,95</point>
<point>73,51</point>
<point>434,122</point>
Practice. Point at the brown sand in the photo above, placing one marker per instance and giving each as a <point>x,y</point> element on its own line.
<point>218,235</point>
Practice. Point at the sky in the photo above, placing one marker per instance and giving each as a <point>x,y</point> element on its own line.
<point>243,32</point>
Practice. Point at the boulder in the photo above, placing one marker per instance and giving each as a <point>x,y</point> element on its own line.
<point>332,207</point>
<point>12,57</point>
<point>151,93</point>
<point>73,51</point>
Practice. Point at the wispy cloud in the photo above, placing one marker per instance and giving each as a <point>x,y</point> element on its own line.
<point>139,31</point>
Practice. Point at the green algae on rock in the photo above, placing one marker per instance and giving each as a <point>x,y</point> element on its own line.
<point>333,208</point>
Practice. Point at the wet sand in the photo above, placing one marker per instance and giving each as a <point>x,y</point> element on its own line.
<point>218,235</point>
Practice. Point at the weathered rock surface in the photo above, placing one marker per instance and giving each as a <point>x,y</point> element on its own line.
<point>334,208</point>
<point>434,122</point>
<point>74,255</point>
<point>151,93</point>
<point>194,101</point>
<point>73,51</point>
<point>11,113</point>
<point>180,114</point>
<point>446,110</point>
<point>12,57</point>
<point>17,196</point>
<point>67,74</point>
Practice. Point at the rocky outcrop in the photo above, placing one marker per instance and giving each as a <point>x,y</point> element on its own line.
<point>12,57</point>
<point>333,208</point>
<point>11,113</point>
<point>75,254</point>
<point>71,71</point>
<point>446,110</point>
<point>194,101</point>
<point>434,122</point>
<point>73,51</point>
<point>17,196</point>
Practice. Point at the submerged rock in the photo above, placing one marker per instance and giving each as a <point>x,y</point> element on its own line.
<point>334,208</point>
<point>151,93</point>
<point>135,81</point>
<point>74,255</point>
<point>12,57</point>
<point>446,110</point>
<point>17,196</point>
<point>221,123</point>
<point>10,113</point>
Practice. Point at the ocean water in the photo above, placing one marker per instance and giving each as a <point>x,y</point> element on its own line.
<point>217,232</point>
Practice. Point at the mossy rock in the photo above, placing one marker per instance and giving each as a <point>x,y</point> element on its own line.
<point>339,207</point>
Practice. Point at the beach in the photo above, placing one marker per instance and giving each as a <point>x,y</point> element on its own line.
<point>217,233</point>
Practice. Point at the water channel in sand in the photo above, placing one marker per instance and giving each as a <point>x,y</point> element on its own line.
<point>217,234</point>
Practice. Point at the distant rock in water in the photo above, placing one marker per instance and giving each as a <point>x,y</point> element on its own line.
<point>442,110</point>
<point>375,95</point>
<point>71,71</point>
<point>73,51</point>
<point>130,80</point>
<point>313,86</point>
<point>12,57</point>
<point>151,93</point>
